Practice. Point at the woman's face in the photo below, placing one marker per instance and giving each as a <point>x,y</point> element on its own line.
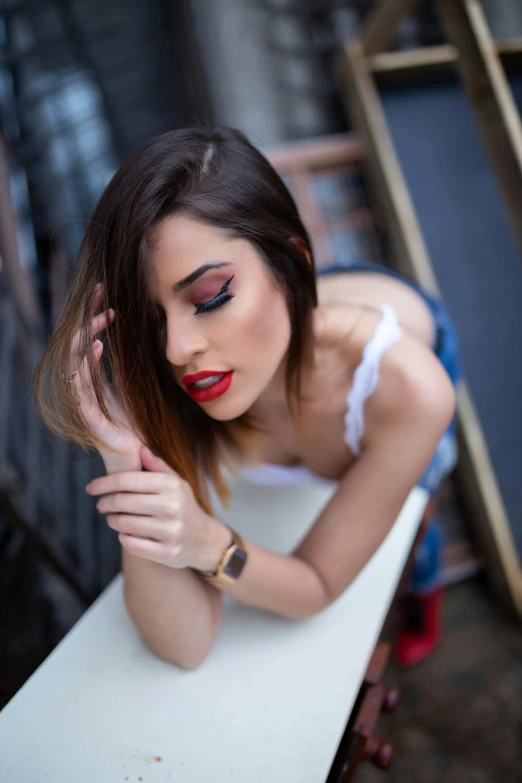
<point>222,314</point>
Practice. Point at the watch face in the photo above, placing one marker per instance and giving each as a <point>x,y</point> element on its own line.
<point>235,563</point>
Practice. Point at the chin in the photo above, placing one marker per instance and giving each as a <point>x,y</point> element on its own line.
<point>224,412</point>
<point>223,409</point>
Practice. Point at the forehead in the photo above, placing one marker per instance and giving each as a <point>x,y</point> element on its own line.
<point>181,244</point>
<point>181,237</point>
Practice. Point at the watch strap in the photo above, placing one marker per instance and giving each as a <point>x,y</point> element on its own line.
<point>220,576</point>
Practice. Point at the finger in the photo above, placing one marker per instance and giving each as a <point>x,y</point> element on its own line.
<point>98,323</point>
<point>97,298</point>
<point>82,384</point>
<point>129,481</point>
<point>79,364</point>
<point>101,321</point>
<point>139,526</point>
<point>98,295</point>
<point>132,503</point>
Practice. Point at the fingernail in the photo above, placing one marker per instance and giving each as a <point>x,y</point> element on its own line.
<point>88,488</point>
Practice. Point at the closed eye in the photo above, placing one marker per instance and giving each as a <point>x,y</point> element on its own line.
<point>221,298</point>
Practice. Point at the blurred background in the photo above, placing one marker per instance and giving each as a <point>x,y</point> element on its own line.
<point>83,83</point>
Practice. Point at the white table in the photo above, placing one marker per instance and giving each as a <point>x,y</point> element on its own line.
<point>269,703</point>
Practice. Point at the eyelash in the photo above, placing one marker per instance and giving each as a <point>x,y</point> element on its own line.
<point>219,300</point>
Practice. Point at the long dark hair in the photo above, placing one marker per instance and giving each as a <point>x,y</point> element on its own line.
<point>219,178</point>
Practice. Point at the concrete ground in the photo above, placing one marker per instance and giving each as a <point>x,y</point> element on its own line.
<point>460,720</point>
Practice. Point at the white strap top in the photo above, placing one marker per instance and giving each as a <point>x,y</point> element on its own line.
<point>387,332</point>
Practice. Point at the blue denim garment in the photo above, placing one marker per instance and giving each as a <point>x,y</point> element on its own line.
<point>428,555</point>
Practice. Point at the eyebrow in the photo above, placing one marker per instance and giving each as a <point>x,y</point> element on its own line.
<point>189,279</point>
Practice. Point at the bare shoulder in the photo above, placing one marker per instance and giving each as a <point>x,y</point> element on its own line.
<point>412,381</point>
<point>413,388</point>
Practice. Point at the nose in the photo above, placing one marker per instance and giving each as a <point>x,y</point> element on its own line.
<point>184,340</point>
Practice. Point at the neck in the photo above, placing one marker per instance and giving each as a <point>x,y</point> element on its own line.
<point>272,403</point>
<point>271,408</point>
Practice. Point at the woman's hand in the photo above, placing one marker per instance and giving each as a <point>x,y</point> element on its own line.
<point>126,443</point>
<point>158,518</point>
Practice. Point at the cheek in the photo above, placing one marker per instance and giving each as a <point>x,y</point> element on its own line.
<point>266,325</point>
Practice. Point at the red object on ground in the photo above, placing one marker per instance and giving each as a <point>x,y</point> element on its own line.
<point>422,630</point>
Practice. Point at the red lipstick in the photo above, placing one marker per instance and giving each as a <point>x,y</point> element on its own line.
<point>209,392</point>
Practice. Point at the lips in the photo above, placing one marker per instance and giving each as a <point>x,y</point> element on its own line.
<point>198,376</point>
<point>209,392</point>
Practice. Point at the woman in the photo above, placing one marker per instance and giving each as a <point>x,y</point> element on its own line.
<point>222,348</point>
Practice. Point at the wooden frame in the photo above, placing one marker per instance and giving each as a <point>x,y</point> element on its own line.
<point>491,97</point>
<point>475,474</point>
<point>382,23</point>
<point>477,57</point>
<point>433,60</point>
<point>298,162</point>
<point>316,154</point>
<point>408,248</point>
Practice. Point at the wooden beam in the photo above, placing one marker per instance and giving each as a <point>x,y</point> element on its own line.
<point>485,82</point>
<point>406,62</point>
<point>477,481</point>
<point>506,46</point>
<point>382,23</point>
<point>365,108</point>
<point>475,473</point>
<point>333,151</point>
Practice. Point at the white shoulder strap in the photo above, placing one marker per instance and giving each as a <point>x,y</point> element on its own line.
<point>387,332</point>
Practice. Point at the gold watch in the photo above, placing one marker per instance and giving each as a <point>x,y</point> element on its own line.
<point>231,564</point>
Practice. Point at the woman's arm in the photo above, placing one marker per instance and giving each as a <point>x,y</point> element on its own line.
<point>177,613</point>
<point>412,406</point>
<point>173,606</point>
